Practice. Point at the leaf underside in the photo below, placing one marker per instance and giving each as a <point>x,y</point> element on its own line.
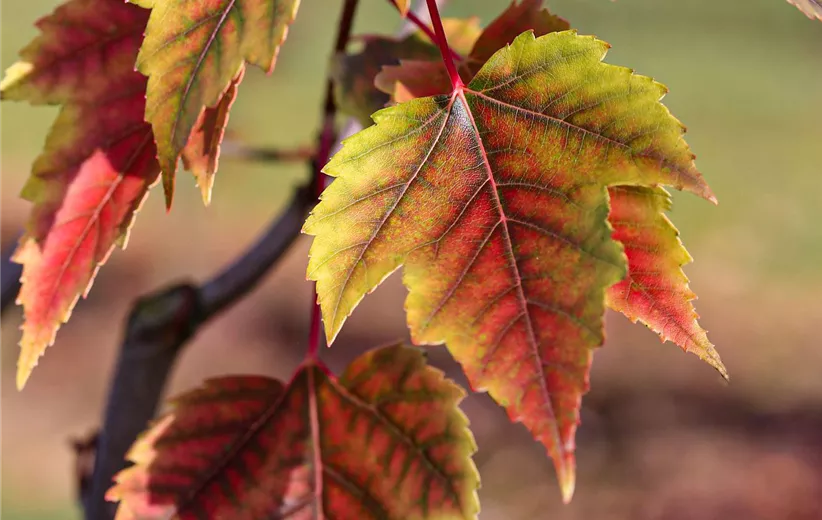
<point>655,290</point>
<point>811,8</point>
<point>192,52</point>
<point>202,152</point>
<point>385,441</point>
<point>495,200</point>
<point>98,162</point>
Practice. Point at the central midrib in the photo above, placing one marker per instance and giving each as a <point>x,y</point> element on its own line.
<point>523,301</point>
<point>198,65</point>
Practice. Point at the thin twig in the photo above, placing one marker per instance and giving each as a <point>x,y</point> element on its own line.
<point>234,150</point>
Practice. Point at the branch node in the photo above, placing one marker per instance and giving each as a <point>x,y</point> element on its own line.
<point>165,319</point>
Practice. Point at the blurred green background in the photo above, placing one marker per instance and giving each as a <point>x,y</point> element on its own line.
<point>661,436</point>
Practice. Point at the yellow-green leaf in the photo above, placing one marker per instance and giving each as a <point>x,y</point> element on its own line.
<point>192,51</point>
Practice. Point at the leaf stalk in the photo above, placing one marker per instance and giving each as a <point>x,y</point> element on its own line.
<point>442,43</point>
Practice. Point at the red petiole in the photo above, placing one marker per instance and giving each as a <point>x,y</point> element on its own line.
<point>442,43</point>
<point>422,26</point>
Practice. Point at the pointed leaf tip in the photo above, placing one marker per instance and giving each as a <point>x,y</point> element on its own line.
<point>168,190</point>
<point>566,474</point>
<point>23,372</point>
<point>713,359</point>
<point>402,6</point>
<point>201,153</point>
<point>655,291</point>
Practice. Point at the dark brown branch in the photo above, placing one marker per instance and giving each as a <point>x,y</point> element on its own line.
<point>9,277</point>
<point>158,327</point>
<point>232,150</point>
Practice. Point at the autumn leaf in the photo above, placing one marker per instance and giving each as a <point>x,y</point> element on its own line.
<point>412,79</point>
<point>655,291</point>
<point>354,74</point>
<point>516,19</point>
<point>462,33</point>
<point>79,44</point>
<point>494,199</point>
<point>417,77</point>
<point>98,162</point>
<point>385,441</point>
<point>191,53</point>
<point>659,298</point>
<point>202,151</point>
<point>811,8</point>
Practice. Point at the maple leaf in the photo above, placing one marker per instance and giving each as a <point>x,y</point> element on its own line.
<point>811,8</point>
<point>202,152</point>
<point>657,296</point>
<point>415,77</point>
<point>385,441</point>
<point>494,198</point>
<point>98,162</point>
<point>60,65</point>
<point>462,33</point>
<point>354,74</point>
<point>655,291</point>
<point>191,53</point>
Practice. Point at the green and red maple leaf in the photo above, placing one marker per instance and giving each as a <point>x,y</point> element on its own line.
<point>386,440</point>
<point>192,52</point>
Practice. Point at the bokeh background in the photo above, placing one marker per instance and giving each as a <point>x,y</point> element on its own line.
<point>662,437</point>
